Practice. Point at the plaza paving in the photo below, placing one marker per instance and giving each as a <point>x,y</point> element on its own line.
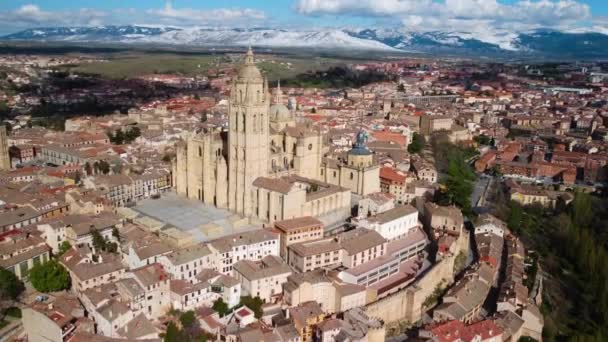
<point>203,222</point>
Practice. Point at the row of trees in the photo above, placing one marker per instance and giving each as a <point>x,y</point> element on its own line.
<point>452,160</point>
<point>102,244</point>
<point>571,241</point>
<point>254,303</point>
<point>100,166</point>
<point>417,143</point>
<point>119,137</point>
<point>187,329</point>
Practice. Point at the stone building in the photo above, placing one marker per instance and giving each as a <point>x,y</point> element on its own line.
<point>5,160</point>
<point>232,167</point>
<point>359,173</point>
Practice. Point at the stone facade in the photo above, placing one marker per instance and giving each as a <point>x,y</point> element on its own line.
<point>5,160</point>
<point>230,167</point>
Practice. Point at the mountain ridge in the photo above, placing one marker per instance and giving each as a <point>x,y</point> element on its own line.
<point>538,42</point>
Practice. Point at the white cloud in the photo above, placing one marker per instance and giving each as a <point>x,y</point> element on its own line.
<point>33,15</point>
<point>182,16</point>
<point>457,14</point>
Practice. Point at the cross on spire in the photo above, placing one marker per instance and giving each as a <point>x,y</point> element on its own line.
<point>249,57</point>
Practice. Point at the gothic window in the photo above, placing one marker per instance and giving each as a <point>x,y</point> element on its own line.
<point>243,123</point>
<point>352,175</point>
<point>262,124</point>
<point>200,151</point>
<point>309,147</point>
<point>258,96</point>
<point>294,148</point>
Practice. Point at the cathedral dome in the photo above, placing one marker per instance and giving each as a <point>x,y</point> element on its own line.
<point>279,112</point>
<point>249,71</point>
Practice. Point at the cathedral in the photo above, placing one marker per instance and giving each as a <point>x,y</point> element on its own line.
<point>266,165</point>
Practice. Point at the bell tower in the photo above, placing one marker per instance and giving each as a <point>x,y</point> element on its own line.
<point>248,139</point>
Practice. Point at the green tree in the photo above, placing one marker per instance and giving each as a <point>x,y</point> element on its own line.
<point>172,334</point>
<point>99,243</point>
<point>581,212</point>
<point>64,247</point>
<point>417,144</point>
<point>515,217</point>
<point>187,318</point>
<point>220,307</point>
<point>50,276</point>
<point>254,303</point>
<point>459,182</point>
<point>5,110</point>
<point>483,140</point>
<point>116,234</point>
<point>119,137</point>
<point>10,286</point>
<point>88,169</point>
<point>132,134</point>
<point>103,166</point>
<point>10,290</point>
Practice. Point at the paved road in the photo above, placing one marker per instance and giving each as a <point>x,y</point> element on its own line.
<point>479,189</point>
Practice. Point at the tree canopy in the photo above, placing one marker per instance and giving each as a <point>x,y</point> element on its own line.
<point>220,307</point>
<point>417,143</point>
<point>10,286</point>
<point>571,243</point>
<point>254,303</point>
<point>64,247</point>
<point>50,276</point>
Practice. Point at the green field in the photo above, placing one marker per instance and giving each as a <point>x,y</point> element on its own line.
<point>137,64</point>
<point>133,65</point>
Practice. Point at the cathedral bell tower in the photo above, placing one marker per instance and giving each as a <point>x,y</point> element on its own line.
<point>248,138</point>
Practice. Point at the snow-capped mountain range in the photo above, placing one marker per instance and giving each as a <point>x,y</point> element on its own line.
<point>538,42</point>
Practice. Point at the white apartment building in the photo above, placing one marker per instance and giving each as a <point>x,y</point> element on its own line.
<point>252,245</point>
<point>394,223</point>
<point>262,279</point>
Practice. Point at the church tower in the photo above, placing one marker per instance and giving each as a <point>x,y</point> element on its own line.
<point>248,137</point>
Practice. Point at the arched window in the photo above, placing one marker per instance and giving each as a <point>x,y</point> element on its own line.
<point>352,175</point>
<point>200,151</point>
<point>258,96</point>
<point>262,123</point>
<point>274,163</point>
<point>243,123</point>
<point>321,172</point>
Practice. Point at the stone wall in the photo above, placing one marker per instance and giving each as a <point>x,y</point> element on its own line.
<point>406,305</point>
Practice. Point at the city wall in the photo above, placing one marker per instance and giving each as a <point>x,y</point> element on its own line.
<point>406,305</point>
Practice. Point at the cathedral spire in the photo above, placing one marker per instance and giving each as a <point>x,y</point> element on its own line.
<point>249,57</point>
<point>278,94</point>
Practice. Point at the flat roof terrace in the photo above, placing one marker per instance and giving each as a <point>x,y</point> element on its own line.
<point>202,221</point>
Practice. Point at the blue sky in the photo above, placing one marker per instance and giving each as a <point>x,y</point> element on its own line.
<point>462,15</point>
